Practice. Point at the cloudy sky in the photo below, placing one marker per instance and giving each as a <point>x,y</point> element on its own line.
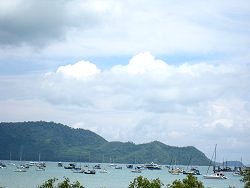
<point>173,71</point>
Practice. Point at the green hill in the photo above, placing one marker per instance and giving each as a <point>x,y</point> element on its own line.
<point>57,142</point>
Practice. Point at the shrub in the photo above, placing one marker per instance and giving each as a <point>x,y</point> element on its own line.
<point>141,182</point>
<point>246,178</point>
<point>189,182</point>
<point>65,184</point>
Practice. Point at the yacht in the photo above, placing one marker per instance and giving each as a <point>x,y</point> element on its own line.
<point>152,166</point>
<point>217,175</point>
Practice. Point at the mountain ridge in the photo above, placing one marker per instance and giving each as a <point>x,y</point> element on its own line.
<point>58,142</point>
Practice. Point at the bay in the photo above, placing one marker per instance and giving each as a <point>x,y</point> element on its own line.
<point>115,178</point>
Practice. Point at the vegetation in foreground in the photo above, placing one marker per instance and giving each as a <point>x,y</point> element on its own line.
<point>246,178</point>
<point>189,182</point>
<point>64,184</point>
<point>140,182</point>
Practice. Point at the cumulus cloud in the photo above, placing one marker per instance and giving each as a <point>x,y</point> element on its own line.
<point>144,100</point>
<point>80,70</point>
<point>180,84</point>
<point>154,86</point>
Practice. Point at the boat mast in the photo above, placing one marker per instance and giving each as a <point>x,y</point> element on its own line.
<point>214,167</point>
<point>213,157</point>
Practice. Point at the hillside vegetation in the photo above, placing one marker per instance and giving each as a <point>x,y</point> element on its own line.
<point>57,142</point>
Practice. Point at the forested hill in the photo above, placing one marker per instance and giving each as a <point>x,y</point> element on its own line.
<point>56,142</point>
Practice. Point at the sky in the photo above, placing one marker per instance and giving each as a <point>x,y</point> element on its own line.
<point>138,71</point>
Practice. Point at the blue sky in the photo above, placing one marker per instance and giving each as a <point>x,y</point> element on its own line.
<point>173,71</point>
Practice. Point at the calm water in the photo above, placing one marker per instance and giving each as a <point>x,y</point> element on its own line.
<point>115,178</point>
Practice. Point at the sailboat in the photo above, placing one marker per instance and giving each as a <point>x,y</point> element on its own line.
<point>175,170</point>
<point>215,175</point>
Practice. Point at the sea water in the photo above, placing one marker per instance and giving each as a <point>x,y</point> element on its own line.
<point>115,178</point>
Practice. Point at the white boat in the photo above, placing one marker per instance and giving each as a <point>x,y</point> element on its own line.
<point>40,168</point>
<point>152,166</point>
<point>175,171</point>
<point>237,173</point>
<point>217,175</point>
<point>78,170</point>
<point>118,167</point>
<point>136,171</point>
<point>89,171</point>
<point>20,170</point>
<point>103,171</point>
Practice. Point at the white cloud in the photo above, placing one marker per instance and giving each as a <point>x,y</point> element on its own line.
<point>141,64</point>
<point>80,70</point>
<point>149,99</point>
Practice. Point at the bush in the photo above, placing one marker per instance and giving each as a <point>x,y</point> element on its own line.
<point>189,182</point>
<point>65,184</point>
<point>246,178</point>
<point>141,182</point>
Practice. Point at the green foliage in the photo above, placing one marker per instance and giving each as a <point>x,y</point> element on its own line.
<point>57,142</point>
<point>246,178</point>
<point>64,184</point>
<point>48,184</point>
<point>189,182</point>
<point>141,182</point>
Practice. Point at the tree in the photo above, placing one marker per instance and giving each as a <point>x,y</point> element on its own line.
<point>141,182</point>
<point>65,184</point>
<point>246,178</point>
<point>189,182</point>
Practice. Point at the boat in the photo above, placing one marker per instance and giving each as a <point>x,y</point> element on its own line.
<point>175,171</point>
<point>152,166</point>
<point>136,170</point>
<point>20,169</point>
<point>192,171</point>
<point>237,173</point>
<point>129,166</point>
<point>89,171</point>
<point>40,168</point>
<point>78,170</point>
<point>215,175</point>
<point>60,164</point>
<point>70,166</point>
<point>103,171</point>
<point>112,165</point>
<point>118,167</point>
<point>2,165</point>
<point>97,166</point>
